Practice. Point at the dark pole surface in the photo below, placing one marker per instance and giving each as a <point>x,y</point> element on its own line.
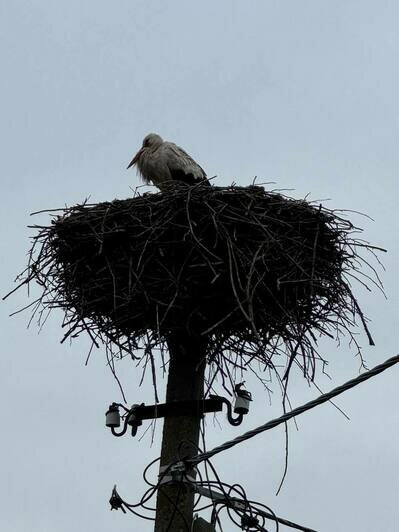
<point>185,381</point>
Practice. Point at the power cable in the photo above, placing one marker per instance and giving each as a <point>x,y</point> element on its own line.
<point>296,412</point>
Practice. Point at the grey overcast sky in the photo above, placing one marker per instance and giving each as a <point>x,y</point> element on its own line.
<point>300,92</point>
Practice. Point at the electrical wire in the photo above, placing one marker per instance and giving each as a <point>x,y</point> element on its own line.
<point>227,501</point>
<point>240,509</point>
<point>296,412</point>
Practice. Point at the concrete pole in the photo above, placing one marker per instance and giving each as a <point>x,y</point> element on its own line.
<point>174,511</point>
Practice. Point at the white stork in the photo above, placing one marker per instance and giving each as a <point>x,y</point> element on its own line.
<point>162,162</point>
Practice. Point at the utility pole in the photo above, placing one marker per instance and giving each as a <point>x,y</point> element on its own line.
<point>174,510</point>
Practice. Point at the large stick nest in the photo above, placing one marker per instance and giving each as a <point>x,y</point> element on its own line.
<point>257,273</point>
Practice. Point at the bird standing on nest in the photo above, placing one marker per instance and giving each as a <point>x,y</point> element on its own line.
<point>162,163</point>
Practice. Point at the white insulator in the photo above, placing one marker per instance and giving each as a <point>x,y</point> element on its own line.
<point>241,406</point>
<point>112,417</point>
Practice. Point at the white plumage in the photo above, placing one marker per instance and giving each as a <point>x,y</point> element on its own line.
<point>160,162</point>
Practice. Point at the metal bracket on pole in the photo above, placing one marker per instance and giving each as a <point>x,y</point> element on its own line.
<point>177,472</point>
<point>134,416</point>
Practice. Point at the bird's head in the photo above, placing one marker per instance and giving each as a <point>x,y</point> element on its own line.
<point>151,141</point>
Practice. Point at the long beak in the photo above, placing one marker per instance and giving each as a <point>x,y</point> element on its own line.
<point>135,158</point>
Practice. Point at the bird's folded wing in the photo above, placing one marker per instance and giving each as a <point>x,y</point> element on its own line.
<point>179,162</point>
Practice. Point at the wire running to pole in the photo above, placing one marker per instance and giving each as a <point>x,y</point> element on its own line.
<point>297,411</point>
